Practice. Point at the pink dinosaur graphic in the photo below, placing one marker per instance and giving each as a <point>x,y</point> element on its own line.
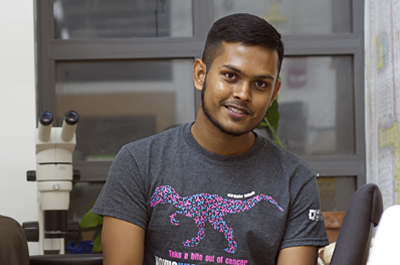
<point>206,207</point>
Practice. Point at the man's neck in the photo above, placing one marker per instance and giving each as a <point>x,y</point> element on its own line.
<point>214,140</point>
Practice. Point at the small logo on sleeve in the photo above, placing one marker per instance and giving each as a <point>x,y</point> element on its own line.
<point>315,215</point>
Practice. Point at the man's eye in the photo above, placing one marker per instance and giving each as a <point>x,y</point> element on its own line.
<point>261,84</point>
<point>230,75</point>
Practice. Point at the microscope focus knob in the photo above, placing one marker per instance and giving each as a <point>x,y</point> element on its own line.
<point>31,231</point>
<point>31,175</point>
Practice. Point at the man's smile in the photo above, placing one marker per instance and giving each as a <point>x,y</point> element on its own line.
<point>237,110</point>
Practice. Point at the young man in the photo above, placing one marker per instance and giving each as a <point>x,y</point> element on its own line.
<point>213,192</point>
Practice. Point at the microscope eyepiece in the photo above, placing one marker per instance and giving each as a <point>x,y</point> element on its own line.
<point>69,125</point>
<point>46,118</point>
<point>71,117</point>
<point>44,126</point>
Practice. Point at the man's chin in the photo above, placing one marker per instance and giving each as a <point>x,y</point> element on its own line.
<point>231,131</point>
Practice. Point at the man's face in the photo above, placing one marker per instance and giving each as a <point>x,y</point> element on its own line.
<point>239,87</point>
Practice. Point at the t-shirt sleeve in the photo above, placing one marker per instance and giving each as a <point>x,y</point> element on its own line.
<point>123,195</point>
<point>305,224</point>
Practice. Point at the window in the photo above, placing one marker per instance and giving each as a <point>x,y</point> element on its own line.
<point>316,105</point>
<point>106,58</point>
<point>120,101</point>
<point>306,17</point>
<point>96,19</point>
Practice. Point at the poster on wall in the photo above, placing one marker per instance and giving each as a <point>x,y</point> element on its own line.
<point>382,91</point>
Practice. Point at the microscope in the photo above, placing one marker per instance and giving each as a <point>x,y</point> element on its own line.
<point>54,175</point>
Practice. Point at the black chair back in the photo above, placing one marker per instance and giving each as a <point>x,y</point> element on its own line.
<point>362,215</point>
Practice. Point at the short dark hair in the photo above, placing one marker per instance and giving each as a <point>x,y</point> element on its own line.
<point>245,28</point>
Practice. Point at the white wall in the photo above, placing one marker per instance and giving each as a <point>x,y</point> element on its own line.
<point>18,198</point>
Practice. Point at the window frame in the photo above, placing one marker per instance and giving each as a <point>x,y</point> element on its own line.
<point>49,51</point>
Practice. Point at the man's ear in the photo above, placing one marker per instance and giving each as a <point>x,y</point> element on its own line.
<point>199,74</point>
<point>275,91</point>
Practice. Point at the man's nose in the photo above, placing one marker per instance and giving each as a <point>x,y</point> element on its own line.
<point>242,91</point>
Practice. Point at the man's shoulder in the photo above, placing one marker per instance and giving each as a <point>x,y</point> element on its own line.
<point>153,147</point>
<point>285,158</point>
<point>168,137</point>
<point>272,148</point>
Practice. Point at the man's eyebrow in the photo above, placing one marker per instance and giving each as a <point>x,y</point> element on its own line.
<point>240,72</point>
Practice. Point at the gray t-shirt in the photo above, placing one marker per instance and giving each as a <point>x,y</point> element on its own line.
<point>198,207</point>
